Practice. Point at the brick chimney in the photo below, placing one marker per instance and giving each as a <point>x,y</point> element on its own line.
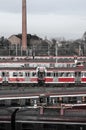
<point>24,26</point>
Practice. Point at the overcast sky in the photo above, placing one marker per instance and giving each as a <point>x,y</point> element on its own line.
<point>51,18</point>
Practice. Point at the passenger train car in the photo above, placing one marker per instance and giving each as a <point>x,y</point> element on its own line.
<point>54,62</point>
<point>43,76</point>
<point>46,71</point>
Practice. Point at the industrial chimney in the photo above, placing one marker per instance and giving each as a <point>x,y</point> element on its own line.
<point>24,26</point>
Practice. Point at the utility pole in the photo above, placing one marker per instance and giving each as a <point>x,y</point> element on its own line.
<point>56,51</point>
<point>16,49</point>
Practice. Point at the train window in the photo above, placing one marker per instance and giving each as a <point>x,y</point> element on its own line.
<point>70,59</point>
<point>51,65</point>
<point>68,65</point>
<point>72,74</point>
<point>72,99</point>
<point>59,74</point>
<point>68,74</point>
<point>55,74</point>
<point>41,99</point>
<point>65,99</point>
<point>65,65</point>
<point>27,74</point>
<point>41,74</point>
<point>14,102</point>
<point>58,65</point>
<point>49,74</point>
<point>20,74</point>
<point>73,65</point>
<point>83,99</point>
<point>2,103</point>
<point>33,74</point>
<point>28,102</point>
<point>78,74</point>
<point>62,74</point>
<point>15,74</point>
<point>3,74</point>
<point>7,74</point>
<point>84,74</point>
<point>26,65</point>
<point>62,65</point>
<point>60,99</point>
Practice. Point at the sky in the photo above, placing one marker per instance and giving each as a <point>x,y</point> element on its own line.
<point>45,18</point>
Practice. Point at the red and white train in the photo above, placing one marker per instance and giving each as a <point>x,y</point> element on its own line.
<point>43,76</point>
<point>43,70</point>
<point>55,62</point>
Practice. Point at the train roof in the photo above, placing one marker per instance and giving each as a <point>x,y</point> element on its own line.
<point>41,58</point>
<point>48,69</point>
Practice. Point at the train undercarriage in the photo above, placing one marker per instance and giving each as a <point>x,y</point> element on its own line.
<point>43,84</point>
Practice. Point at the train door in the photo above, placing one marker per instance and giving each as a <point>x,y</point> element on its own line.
<point>78,77</point>
<point>27,77</point>
<point>41,75</point>
<point>5,76</point>
<point>55,74</point>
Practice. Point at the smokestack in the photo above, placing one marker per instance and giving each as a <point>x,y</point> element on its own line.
<point>24,26</point>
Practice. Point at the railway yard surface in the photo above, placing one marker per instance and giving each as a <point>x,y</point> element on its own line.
<point>45,104</point>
